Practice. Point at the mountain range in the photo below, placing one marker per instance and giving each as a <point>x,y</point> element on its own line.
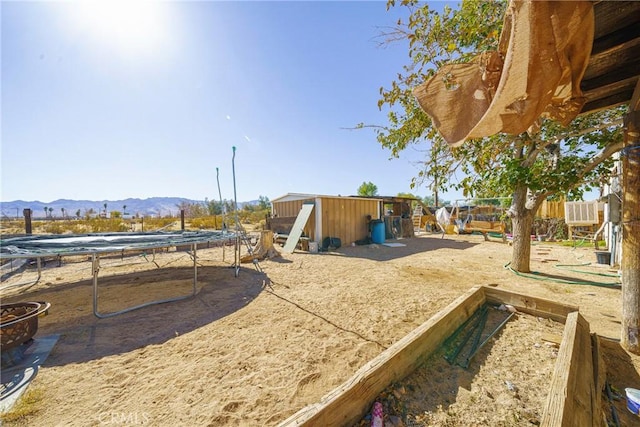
<point>153,206</point>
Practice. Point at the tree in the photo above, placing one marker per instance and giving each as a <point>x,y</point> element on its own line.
<point>215,207</point>
<point>411,195</point>
<point>193,210</point>
<point>105,209</point>
<point>368,189</point>
<point>62,210</point>
<point>50,212</point>
<point>431,201</point>
<point>530,168</point>
<point>124,209</point>
<point>78,213</point>
<point>45,212</point>
<point>264,203</point>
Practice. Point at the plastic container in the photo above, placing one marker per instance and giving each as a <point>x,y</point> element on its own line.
<point>633,400</point>
<point>377,231</point>
<point>313,247</point>
<point>603,257</point>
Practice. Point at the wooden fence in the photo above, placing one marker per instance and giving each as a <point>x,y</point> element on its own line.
<point>554,209</point>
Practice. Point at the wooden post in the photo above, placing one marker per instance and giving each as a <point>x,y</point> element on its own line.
<point>182,219</point>
<point>630,262</point>
<point>27,221</point>
<point>572,394</point>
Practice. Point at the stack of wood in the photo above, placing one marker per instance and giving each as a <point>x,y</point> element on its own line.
<point>263,249</point>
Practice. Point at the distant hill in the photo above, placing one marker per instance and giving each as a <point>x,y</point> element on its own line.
<point>154,206</point>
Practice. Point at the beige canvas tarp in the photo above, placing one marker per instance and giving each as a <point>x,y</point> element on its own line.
<point>543,53</point>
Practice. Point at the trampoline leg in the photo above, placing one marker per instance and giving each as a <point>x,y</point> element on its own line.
<point>95,263</point>
<point>95,267</point>
<point>39,264</point>
<point>194,247</point>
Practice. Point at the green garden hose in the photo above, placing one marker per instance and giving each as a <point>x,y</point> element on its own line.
<point>538,276</point>
<point>562,267</point>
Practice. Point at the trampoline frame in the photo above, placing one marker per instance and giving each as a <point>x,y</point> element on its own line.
<point>95,262</point>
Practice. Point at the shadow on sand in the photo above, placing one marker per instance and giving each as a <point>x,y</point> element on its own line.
<point>380,252</point>
<point>84,337</point>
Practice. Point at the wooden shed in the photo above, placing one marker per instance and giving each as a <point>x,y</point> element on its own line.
<point>346,218</point>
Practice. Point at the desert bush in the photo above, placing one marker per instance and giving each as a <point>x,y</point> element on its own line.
<point>12,223</point>
<point>254,216</point>
<point>55,227</point>
<point>157,223</point>
<point>12,226</point>
<point>77,227</point>
<point>105,225</point>
<point>207,222</point>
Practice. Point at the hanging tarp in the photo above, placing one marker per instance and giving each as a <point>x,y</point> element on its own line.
<point>543,52</point>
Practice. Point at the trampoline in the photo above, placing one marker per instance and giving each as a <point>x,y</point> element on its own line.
<point>96,244</point>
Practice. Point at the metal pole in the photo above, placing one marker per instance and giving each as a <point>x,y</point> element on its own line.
<point>194,247</point>
<point>95,267</point>
<point>235,205</point>
<point>222,209</point>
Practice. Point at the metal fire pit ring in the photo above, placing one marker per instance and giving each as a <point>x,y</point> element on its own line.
<point>19,322</point>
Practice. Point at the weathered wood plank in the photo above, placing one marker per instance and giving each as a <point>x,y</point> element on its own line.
<point>531,305</point>
<point>349,402</point>
<point>622,86</point>
<point>614,15</point>
<point>572,395</point>
<point>552,338</point>
<point>610,59</point>
<point>298,227</point>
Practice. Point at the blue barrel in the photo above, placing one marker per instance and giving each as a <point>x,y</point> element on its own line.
<point>377,231</point>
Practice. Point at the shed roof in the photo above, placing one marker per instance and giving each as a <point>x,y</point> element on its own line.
<point>304,196</point>
<point>391,199</point>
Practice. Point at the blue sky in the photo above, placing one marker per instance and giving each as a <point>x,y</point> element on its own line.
<point>106,101</point>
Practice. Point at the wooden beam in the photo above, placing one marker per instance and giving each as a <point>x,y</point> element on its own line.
<point>612,15</point>
<point>622,35</point>
<point>617,57</point>
<point>606,103</point>
<point>602,91</point>
<point>630,261</point>
<point>531,305</point>
<point>609,72</point>
<point>571,399</point>
<point>634,105</point>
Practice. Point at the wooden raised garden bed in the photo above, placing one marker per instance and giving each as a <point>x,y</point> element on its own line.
<point>573,397</point>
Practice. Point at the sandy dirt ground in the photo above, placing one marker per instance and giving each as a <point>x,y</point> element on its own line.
<point>252,350</point>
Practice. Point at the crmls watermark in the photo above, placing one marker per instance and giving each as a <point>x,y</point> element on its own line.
<point>124,418</point>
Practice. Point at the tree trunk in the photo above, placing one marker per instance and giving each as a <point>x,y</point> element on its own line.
<point>522,213</point>
<point>264,248</point>
<point>630,263</point>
